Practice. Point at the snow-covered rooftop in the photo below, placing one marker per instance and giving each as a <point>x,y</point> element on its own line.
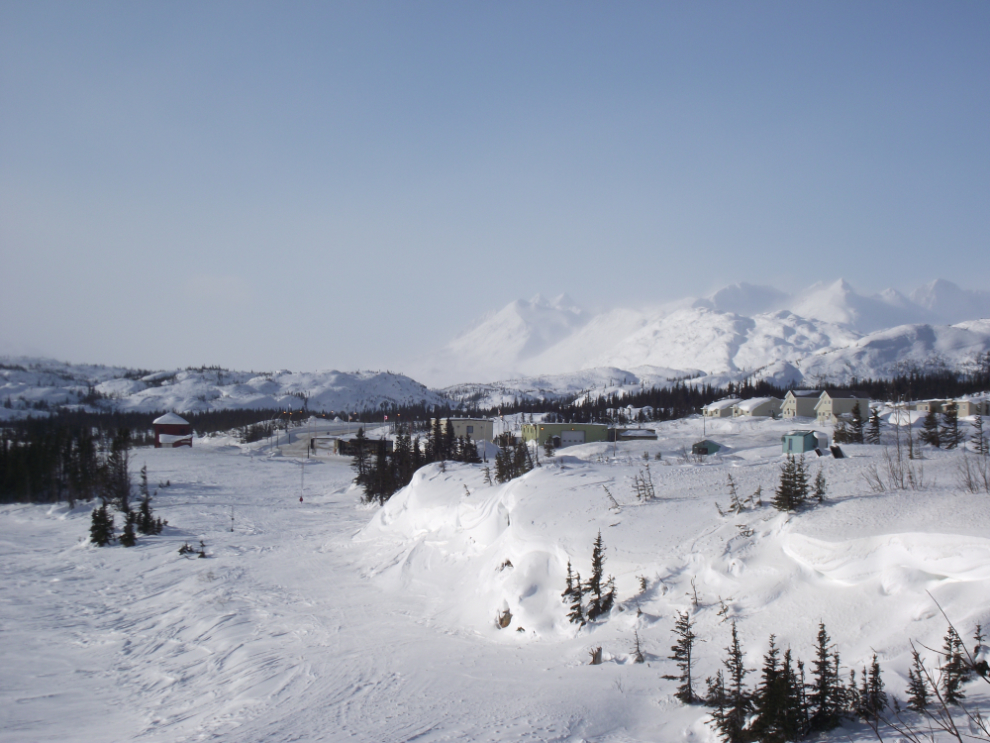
<point>754,402</point>
<point>722,404</point>
<point>170,419</point>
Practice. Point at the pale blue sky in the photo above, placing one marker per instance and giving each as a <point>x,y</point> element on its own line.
<point>294,185</point>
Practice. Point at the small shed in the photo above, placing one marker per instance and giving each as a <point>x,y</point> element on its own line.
<point>172,431</point>
<point>799,442</point>
<point>704,448</point>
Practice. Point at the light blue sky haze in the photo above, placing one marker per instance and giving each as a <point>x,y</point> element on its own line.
<point>341,185</point>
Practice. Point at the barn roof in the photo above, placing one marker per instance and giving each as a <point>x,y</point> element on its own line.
<point>170,419</point>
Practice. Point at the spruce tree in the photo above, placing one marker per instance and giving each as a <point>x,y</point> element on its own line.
<point>681,653</point>
<point>954,670</point>
<point>917,687</point>
<point>874,427</point>
<point>594,586</point>
<point>738,700</point>
<point>576,614</point>
<point>792,488</point>
<point>978,438</point>
<point>873,699</point>
<point>127,536</point>
<point>949,433</point>
<point>101,530</point>
<point>819,488</point>
<point>360,461</point>
<point>826,695</point>
<point>767,703</point>
<point>930,429</point>
<point>856,425</point>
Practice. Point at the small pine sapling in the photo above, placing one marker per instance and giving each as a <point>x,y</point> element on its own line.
<point>917,687</point>
<point>735,505</point>
<point>818,489</point>
<point>954,670</point>
<point>682,653</point>
<point>638,656</point>
<point>127,536</point>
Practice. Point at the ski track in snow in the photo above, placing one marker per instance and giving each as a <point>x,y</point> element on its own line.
<point>330,621</point>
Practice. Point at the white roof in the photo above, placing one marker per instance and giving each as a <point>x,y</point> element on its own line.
<point>754,402</point>
<point>722,404</point>
<point>170,419</point>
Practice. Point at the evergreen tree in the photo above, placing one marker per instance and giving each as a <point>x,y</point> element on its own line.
<point>930,429</point>
<point>116,477</point>
<point>681,653</point>
<point>101,531</point>
<point>471,451</point>
<point>949,433</point>
<point>448,444</point>
<point>608,597</point>
<point>978,438</point>
<point>840,432</point>
<point>594,586</point>
<point>778,700</point>
<point>872,698</point>
<point>576,614</point>
<point>792,488</point>
<point>548,446</point>
<point>819,488</point>
<point>917,688</point>
<point>738,701</point>
<point>360,461</point>
<point>570,582</point>
<point>856,425</point>
<point>127,537</point>
<point>826,693</point>
<point>954,670</point>
<point>874,427</point>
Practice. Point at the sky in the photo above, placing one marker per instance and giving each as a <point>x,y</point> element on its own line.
<point>348,185</point>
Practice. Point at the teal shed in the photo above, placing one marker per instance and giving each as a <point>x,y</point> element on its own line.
<point>800,442</point>
<point>705,447</point>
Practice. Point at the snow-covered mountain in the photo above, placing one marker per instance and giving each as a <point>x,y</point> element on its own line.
<point>825,330</point>
<point>494,346</point>
<point>34,385</point>
<point>947,303</point>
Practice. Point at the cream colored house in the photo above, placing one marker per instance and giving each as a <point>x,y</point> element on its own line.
<point>720,408</point>
<point>800,403</point>
<point>928,406</point>
<point>765,407</point>
<point>972,407</point>
<point>834,403</point>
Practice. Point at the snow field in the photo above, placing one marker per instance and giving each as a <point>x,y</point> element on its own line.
<point>329,620</point>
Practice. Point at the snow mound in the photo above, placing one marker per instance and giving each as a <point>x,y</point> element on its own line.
<point>898,562</point>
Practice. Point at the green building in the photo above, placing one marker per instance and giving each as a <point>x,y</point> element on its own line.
<point>564,434</point>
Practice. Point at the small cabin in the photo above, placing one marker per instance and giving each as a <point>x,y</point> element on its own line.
<point>172,431</point>
<point>704,448</point>
<point>800,442</point>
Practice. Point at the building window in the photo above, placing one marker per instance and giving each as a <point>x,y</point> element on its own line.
<point>470,429</point>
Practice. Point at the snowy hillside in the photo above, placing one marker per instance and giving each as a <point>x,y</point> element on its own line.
<point>325,620</point>
<point>30,385</point>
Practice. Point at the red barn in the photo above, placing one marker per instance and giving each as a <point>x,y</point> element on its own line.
<point>171,431</point>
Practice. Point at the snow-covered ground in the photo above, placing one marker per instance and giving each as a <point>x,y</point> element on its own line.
<point>329,620</point>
